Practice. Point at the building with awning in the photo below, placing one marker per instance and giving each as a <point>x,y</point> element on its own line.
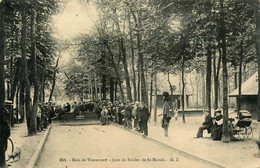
<point>249,94</point>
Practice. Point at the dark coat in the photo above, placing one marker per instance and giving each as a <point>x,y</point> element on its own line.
<point>217,129</point>
<point>166,115</point>
<point>144,113</point>
<point>208,123</point>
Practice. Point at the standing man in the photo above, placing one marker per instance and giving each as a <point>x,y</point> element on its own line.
<point>166,113</point>
<point>144,116</point>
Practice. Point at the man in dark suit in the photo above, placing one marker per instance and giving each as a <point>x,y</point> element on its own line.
<point>144,117</point>
<point>205,125</point>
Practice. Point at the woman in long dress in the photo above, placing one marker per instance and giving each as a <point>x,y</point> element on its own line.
<point>103,115</point>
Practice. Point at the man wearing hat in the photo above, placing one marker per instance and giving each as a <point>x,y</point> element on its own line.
<point>207,124</point>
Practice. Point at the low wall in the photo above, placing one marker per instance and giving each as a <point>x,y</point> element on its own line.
<point>190,112</point>
<point>71,116</point>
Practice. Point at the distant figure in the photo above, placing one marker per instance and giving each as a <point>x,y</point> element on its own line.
<point>166,113</point>
<point>121,113</point>
<point>39,118</point>
<point>216,133</point>
<point>207,124</point>
<point>67,107</point>
<point>103,115</point>
<point>136,110</point>
<point>176,114</point>
<point>128,115</point>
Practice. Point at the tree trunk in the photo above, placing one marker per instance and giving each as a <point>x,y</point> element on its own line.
<point>42,95</point>
<point>192,89</point>
<point>111,89</point>
<point>225,130</point>
<point>104,86</point>
<point>93,93</point>
<point>203,90</point>
<point>54,78</point>
<point>116,91</point>
<point>11,77</point>
<point>170,85</point>
<point>151,93</point>
<point>215,84</point>
<point>240,78</point>
<point>257,38</point>
<point>33,117</point>
<point>171,89</point>
<point>197,89</point>
<point>17,77</point>
<point>17,104</point>
<point>24,64</point>
<point>183,89</point>
<point>21,99</point>
<point>155,97</point>
<point>2,79</point>
<point>116,70</point>
<point>132,58</point>
<point>144,97</point>
<point>127,80</point>
<point>122,52</point>
<point>138,82</point>
<point>96,89</point>
<point>235,76</point>
<point>208,81</point>
<point>100,91</point>
<point>245,74</point>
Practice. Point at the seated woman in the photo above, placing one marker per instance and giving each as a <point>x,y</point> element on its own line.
<point>217,127</point>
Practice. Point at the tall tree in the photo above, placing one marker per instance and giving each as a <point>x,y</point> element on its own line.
<point>225,130</point>
<point>54,78</point>
<point>208,80</point>
<point>24,65</point>
<point>33,115</point>
<point>132,57</point>
<point>2,84</point>
<point>256,5</point>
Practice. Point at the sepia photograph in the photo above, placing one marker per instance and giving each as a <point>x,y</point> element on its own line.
<point>129,84</point>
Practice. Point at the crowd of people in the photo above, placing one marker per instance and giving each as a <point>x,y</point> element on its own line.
<point>132,115</point>
<point>75,107</point>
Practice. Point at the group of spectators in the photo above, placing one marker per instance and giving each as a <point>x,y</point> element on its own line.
<point>45,112</point>
<point>132,115</point>
<point>77,107</point>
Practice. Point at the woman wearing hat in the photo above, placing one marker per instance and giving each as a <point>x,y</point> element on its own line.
<point>217,127</point>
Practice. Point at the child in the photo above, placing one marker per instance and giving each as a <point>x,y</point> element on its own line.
<point>176,114</point>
